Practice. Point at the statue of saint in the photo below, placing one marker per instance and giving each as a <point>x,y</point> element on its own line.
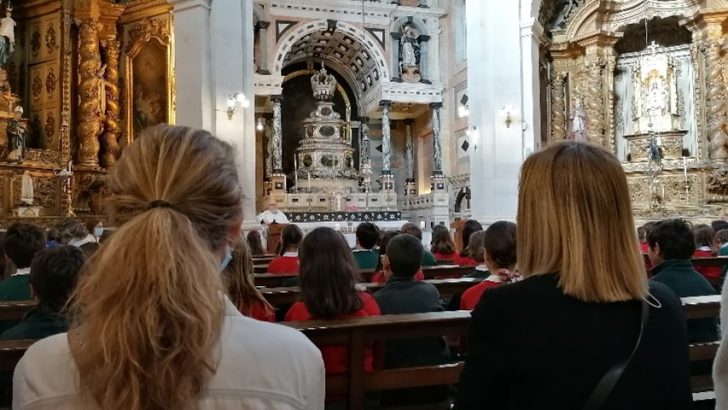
<point>7,37</point>
<point>578,122</point>
<point>26,189</point>
<point>409,47</point>
<point>16,137</point>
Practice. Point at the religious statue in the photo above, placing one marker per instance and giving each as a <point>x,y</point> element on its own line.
<point>26,189</point>
<point>7,37</point>
<point>578,122</point>
<point>16,136</point>
<point>409,54</point>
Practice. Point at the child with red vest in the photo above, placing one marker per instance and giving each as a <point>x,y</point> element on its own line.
<point>496,249</point>
<point>287,261</point>
<point>706,246</point>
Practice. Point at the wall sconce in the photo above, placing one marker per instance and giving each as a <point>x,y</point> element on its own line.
<point>507,113</point>
<point>233,101</point>
<point>259,124</point>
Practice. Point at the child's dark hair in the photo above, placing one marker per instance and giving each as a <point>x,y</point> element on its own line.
<point>500,243</point>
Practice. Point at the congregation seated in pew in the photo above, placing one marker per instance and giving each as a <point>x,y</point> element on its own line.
<point>428,259</point>
<point>366,254</point>
<point>706,246</point>
<point>469,228</point>
<point>22,241</point>
<point>329,291</point>
<point>287,260</point>
<point>671,245</point>
<point>442,246</point>
<point>238,279</point>
<point>496,249</point>
<point>379,276</point>
<point>401,295</point>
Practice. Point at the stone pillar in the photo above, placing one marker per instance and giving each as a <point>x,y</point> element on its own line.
<point>425,59</point>
<point>436,140</point>
<point>411,184</point>
<point>394,66</point>
<point>364,157</point>
<point>558,107</point>
<point>386,137</point>
<point>277,135</point>
<point>262,28</point>
<point>193,53</point>
<point>112,129</point>
<point>532,35</point>
<point>89,67</point>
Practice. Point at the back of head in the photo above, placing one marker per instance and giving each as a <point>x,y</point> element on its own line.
<point>367,234</point>
<point>255,243</point>
<point>642,234</point>
<point>719,224</point>
<point>476,246</point>
<point>500,244</point>
<point>90,248</point>
<point>575,219</point>
<point>290,237</point>
<point>383,243</point>
<point>674,237</point>
<point>328,274</point>
<point>70,229</point>
<point>722,236</point>
<point>441,240</point>
<point>22,241</point>
<point>404,253</point>
<point>176,202</point>
<point>412,229</point>
<point>238,279</point>
<point>53,276</point>
<point>704,236</point>
<point>470,226</point>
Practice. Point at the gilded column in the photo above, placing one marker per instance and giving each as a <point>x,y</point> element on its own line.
<point>89,66</point>
<point>558,107</point>
<point>715,101</point>
<point>593,98</point>
<point>112,129</point>
<point>386,137</point>
<point>277,136</point>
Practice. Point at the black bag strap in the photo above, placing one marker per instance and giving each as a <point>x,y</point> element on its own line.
<point>611,377</point>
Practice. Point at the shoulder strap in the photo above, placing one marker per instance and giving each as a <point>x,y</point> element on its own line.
<point>611,377</point>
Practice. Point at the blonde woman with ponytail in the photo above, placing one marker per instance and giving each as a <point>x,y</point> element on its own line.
<point>152,327</point>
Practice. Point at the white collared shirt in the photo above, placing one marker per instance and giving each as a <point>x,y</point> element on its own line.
<point>262,366</point>
<point>22,271</point>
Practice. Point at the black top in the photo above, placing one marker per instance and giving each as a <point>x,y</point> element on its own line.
<point>681,277</point>
<point>405,295</point>
<point>532,347</point>
<point>38,323</point>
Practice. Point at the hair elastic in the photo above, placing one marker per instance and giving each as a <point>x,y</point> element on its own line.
<point>159,204</point>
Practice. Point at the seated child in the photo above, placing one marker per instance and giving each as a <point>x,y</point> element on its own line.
<point>379,276</point>
<point>499,246</point>
<point>707,247</point>
<point>428,259</point>
<point>22,242</point>
<point>366,254</point>
<point>443,246</point>
<point>469,228</point>
<point>287,260</point>
<point>238,279</point>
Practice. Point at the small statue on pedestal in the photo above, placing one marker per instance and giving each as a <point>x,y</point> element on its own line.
<point>16,137</point>
<point>26,189</point>
<point>409,54</point>
<point>7,36</point>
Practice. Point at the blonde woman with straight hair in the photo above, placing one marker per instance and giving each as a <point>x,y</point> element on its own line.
<point>583,330</point>
<point>152,328</point>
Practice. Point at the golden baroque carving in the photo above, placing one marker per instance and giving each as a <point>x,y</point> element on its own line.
<point>50,83</point>
<point>49,157</point>
<point>147,29</point>
<point>51,41</point>
<point>714,98</point>
<point>35,42</point>
<point>37,86</point>
<point>717,182</point>
<point>45,191</point>
<point>558,107</point>
<point>592,86</point>
<point>112,131</point>
<point>50,126</point>
<point>90,102</point>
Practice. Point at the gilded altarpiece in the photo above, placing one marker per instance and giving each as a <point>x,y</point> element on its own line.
<point>672,93</point>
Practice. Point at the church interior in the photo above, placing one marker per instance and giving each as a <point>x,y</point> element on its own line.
<point>404,114</point>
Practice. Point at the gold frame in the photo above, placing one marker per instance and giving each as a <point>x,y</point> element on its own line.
<point>151,29</point>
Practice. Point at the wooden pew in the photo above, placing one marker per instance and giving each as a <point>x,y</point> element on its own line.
<point>15,310</point>
<point>431,272</point>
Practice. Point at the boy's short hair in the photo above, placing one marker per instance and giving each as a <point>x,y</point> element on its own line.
<point>675,238</point>
<point>412,229</point>
<point>404,253</point>
<point>719,225</point>
<point>722,236</point>
<point>53,275</point>
<point>22,241</point>
<point>367,234</point>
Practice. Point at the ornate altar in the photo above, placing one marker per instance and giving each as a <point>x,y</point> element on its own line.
<point>650,77</point>
<point>69,62</point>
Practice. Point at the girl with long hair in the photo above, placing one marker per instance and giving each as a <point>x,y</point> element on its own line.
<point>238,280</point>
<point>255,243</point>
<point>151,326</point>
<point>329,279</point>
<point>469,228</point>
<point>443,247</point>
<point>585,304</point>
<point>287,260</point>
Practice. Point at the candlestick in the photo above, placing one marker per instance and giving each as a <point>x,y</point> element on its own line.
<point>309,181</point>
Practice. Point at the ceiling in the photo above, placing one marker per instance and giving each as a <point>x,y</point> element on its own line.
<point>342,48</point>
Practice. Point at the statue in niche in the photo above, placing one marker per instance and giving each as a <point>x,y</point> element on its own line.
<point>16,137</point>
<point>7,37</point>
<point>26,189</point>
<point>578,122</point>
<point>409,53</point>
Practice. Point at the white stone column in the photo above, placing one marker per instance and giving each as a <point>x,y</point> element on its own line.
<point>394,66</point>
<point>426,60</point>
<point>262,28</point>
<point>386,138</point>
<point>495,80</point>
<point>531,35</point>
<point>193,90</point>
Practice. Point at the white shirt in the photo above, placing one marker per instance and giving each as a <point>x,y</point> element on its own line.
<point>262,366</point>
<point>269,217</point>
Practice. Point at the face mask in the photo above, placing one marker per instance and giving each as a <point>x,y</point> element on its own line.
<point>98,232</point>
<point>228,257</point>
